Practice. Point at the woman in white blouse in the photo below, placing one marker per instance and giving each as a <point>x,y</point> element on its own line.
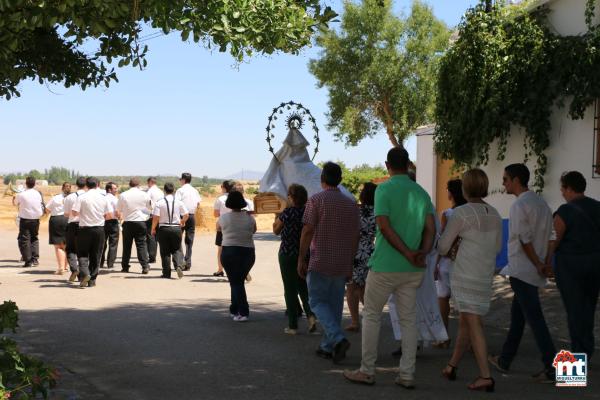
<point>57,227</point>
<point>476,228</point>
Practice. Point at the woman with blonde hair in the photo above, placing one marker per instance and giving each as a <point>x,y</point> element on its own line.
<point>57,227</point>
<point>474,236</point>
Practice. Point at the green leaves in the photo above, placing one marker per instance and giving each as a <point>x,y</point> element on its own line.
<point>8,316</point>
<point>21,376</point>
<point>507,68</point>
<point>44,40</point>
<point>380,70</point>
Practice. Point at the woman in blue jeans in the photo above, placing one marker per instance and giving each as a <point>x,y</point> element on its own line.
<point>237,255</point>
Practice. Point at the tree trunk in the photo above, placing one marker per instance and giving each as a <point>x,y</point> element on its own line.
<point>389,123</point>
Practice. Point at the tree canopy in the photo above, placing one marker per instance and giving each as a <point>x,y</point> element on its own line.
<point>380,70</point>
<point>74,42</point>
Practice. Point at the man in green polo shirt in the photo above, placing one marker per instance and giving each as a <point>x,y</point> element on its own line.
<point>405,234</point>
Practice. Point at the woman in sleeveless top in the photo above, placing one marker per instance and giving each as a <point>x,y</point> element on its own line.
<point>57,227</point>
<point>478,226</point>
<point>444,264</point>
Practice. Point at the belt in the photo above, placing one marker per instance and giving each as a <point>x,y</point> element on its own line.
<point>167,225</point>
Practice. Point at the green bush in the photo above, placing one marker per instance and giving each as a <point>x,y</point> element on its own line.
<point>21,376</point>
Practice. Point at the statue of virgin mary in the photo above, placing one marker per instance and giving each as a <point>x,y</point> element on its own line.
<point>292,164</point>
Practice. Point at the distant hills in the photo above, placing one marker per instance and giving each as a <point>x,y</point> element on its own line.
<point>246,175</point>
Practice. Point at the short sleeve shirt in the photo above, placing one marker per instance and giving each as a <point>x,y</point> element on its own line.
<point>92,206</point>
<point>292,230</point>
<point>336,221</point>
<point>582,220</point>
<point>407,206</point>
<point>169,210</point>
<point>30,204</point>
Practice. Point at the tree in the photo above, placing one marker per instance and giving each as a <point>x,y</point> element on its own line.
<point>36,174</point>
<point>75,42</point>
<point>380,70</point>
<point>58,175</point>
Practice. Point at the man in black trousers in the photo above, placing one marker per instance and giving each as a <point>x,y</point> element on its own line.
<point>93,209</point>
<point>31,208</point>
<point>73,228</point>
<point>190,197</point>
<point>166,224</point>
<point>111,229</point>
<point>134,207</point>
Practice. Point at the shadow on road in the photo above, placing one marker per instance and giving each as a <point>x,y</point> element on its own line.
<point>195,351</point>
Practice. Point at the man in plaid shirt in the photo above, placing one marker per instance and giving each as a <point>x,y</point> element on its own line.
<point>331,230</point>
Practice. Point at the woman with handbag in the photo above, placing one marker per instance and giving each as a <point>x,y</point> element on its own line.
<point>444,263</point>
<point>577,226</point>
<point>476,228</point>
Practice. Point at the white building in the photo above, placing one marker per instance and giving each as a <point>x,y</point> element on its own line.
<point>574,144</point>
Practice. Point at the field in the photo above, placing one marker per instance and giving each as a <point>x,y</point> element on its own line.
<point>206,222</point>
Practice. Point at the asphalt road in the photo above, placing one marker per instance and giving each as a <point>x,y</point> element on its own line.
<point>138,336</point>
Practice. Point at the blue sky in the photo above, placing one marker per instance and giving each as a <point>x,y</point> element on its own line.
<point>191,109</point>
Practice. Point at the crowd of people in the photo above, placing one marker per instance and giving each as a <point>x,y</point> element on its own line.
<point>377,252</point>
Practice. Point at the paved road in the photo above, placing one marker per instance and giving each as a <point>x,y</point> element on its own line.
<point>140,337</point>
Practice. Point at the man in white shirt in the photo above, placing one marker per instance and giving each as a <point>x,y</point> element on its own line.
<point>73,228</point>
<point>166,225</point>
<point>191,199</point>
<point>134,207</point>
<point>155,195</point>
<point>93,209</point>
<point>530,235</point>
<point>111,228</point>
<point>31,208</point>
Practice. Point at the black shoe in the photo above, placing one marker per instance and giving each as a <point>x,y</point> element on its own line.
<point>36,262</point>
<point>324,354</point>
<point>145,271</point>
<point>165,276</point>
<point>339,351</point>
<point>186,268</point>
<point>124,269</point>
<point>92,283</point>
<point>28,265</point>
<point>219,273</point>
<point>152,261</point>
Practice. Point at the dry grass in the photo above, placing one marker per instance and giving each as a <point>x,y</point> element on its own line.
<point>206,222</point>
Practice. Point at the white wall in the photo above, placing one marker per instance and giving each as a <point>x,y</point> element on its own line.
<point>571,148</point>
<point>567,17</point>
<point>426,165</point>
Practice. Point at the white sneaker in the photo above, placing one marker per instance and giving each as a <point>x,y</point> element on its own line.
<point>240,318</point>
<point>289,331</point>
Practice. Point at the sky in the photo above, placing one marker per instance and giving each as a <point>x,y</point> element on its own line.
<point>192,110</point>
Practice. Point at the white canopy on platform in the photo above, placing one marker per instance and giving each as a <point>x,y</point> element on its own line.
<point>292,164</point>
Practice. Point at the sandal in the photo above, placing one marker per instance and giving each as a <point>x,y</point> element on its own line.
<point>450,374</point>
<point>357,376</point>
<point>220,273</point>
<point>488,387</point>
<point>442,344</point>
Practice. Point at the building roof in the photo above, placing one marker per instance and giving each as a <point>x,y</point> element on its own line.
<point>425,130</point>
